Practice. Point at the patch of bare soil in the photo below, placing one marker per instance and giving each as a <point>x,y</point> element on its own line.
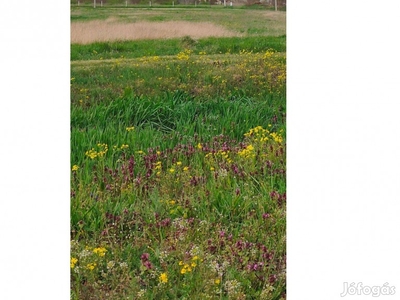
<point>109,30</point>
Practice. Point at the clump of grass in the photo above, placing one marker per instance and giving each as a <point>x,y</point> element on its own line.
<point>187,42</point>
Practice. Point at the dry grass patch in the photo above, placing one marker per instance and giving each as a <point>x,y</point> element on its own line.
<point>101,31</point>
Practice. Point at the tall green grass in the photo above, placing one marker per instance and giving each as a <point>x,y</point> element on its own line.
<point>140,48</point>
<point>176,115</point>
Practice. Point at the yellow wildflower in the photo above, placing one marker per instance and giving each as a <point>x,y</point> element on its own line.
<point>91,266</point>
<point>75,168</point>
<point>187,268</point>
<point>73,262</point>
<point>277,138</point>
<point>163,278</point>
<point>247,152</point>
<point>100,251</point>
<point>184,55</point>
<point>130,128</point>
<point>250,148</point>
<point>91,153</point>
<point>217,281</point>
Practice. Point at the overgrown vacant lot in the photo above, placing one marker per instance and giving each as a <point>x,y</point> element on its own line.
<point>178,159</point>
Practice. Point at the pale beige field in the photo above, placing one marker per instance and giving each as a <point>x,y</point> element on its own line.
<point>110,30</point>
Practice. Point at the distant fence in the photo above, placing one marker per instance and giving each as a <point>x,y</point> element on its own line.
<point>280,4</point>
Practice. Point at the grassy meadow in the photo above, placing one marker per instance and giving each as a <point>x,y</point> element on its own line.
<point>178,159</point>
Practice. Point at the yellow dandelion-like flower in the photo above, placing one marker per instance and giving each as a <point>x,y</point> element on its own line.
<point>199,146</point>
<point>248,152</point>
<point>100,251</point>
<point>186,268</point>
<point>178,163</point>
<point>217,281</point>
<point>186,169</point>
<point>250,148</point>
<point>91,266</point>
<point>73,262</point>
<point>277,138</point>
<point>91,153</point>
<point>163,278</point>
<point>184,55</point>
<point>158,165</point>
<point>75,168</point>
<point>172,170</point>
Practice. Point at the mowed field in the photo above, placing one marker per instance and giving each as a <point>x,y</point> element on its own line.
<point>178,153</point>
